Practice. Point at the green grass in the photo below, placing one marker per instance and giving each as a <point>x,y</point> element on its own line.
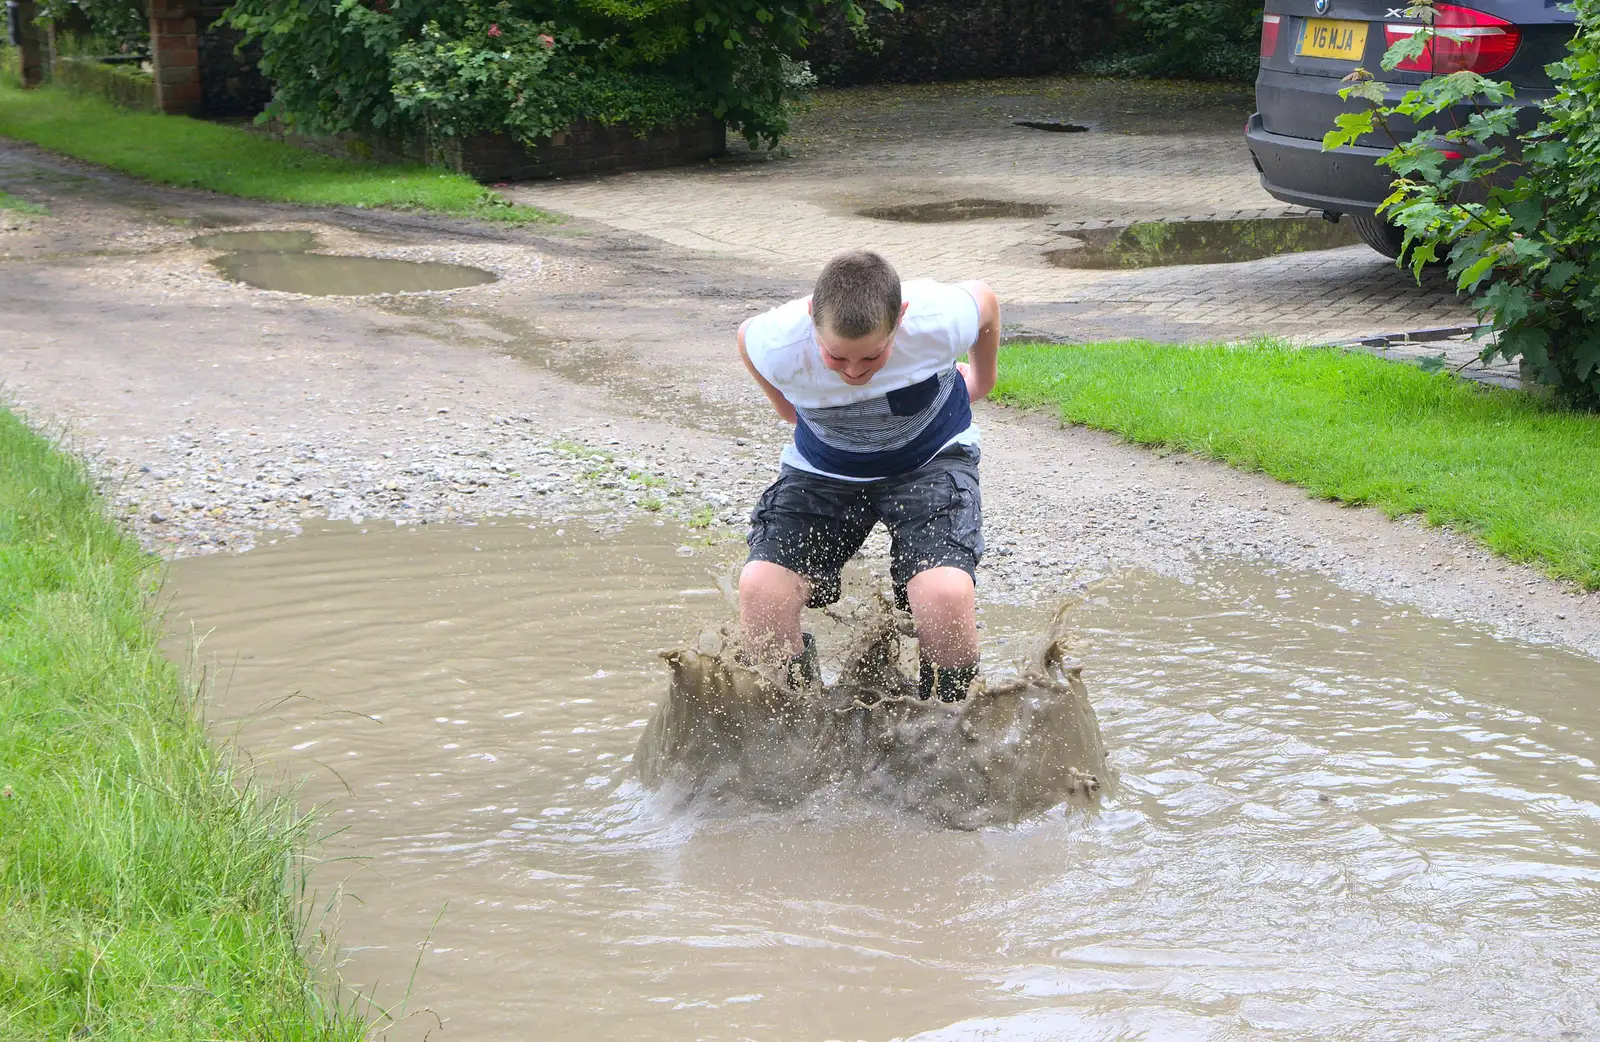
<point>19,205</point>
<point>148,889</point>
<point>192,153</point>
<point>1509,468</point>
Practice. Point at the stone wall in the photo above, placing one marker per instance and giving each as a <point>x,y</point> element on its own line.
<point>583,148</point>
<point>587,148</point>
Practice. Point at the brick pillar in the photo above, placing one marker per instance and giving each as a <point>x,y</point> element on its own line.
<point>31,49</point>
<point>175,55</point>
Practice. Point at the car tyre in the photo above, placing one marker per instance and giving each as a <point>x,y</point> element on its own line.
<point>1379,234</point>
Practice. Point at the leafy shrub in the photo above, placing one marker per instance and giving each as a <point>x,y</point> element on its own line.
<point>100,26</point>
<point>1193,39</point>
<point>932,40</point>
<point>531,67</point>
<point>131,88</point>
<point>1517,216</point>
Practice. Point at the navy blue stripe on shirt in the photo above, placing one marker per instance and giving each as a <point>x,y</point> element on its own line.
<point>954,416</point>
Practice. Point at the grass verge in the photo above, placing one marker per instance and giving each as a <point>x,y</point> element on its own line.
<point>148,890</point>
<point>192,153</point>
<point>1509,468</point>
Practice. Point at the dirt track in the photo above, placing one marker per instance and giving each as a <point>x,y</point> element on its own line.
<point>221,415</point>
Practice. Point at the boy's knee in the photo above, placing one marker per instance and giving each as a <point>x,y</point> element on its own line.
<point>770,584</point>
<point>945,591</point>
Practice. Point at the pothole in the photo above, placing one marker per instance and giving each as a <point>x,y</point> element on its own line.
<point>258,242</point>
<point>1054,126</point>
<point>1154,244</point>
<point>956,210</point>
<point>326,275</point>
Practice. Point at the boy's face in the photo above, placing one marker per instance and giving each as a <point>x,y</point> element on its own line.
<point>857,360</point>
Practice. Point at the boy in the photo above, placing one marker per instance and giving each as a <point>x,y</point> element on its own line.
<point>866,370</point>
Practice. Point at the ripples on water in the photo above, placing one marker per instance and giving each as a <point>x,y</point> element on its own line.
<point>1334,819</point>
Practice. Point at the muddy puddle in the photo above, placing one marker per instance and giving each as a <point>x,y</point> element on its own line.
<point>1053,126</point>
<point>956,210</point>
<point>329,275</point>
<point>1332,818</point>
<point>1155,244</point>
<point>282,261</point>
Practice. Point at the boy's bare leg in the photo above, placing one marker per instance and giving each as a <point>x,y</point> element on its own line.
<point>770,600</point>
<point>944,604</point>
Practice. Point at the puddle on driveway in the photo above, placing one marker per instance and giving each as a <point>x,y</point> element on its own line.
<point>1334,819</point>
<point>955,210</point>
<point>258,242</point>
<point>329,275</point>
<point>1155,244</point>
<point>1054,126</point>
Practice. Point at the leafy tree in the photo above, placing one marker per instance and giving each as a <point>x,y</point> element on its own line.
<point>1518,214</point>
<point>103,26</point>
<point>531,67</point>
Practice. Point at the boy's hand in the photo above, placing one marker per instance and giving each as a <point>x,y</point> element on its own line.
<point>966,375</point>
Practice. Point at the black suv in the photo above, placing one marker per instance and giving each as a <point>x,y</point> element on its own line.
<point>1308,46</point>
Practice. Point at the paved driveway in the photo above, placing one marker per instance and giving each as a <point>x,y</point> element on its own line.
<point>1153,151</point>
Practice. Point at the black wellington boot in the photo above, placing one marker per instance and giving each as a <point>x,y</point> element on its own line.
<point>802,672</point>
<point>950,683</point>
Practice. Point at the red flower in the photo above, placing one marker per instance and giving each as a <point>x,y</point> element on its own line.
<point>548,40</point>
<point>494,30</point>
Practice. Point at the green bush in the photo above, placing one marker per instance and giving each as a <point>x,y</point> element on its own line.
<point>99,26</point>
<point>531,67</point>
<point>933,40</point>
<point>1192,39</point>
<point>1517,217</point>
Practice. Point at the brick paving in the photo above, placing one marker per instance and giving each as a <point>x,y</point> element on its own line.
<point>1155,152</point>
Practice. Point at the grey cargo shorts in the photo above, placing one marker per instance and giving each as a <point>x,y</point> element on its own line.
<point>812,524</point>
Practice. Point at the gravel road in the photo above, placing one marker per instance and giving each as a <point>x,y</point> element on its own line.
<point>595,380</point>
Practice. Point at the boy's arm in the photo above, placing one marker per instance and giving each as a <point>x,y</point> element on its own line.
<point>779,403</point>
<point>982,370</point>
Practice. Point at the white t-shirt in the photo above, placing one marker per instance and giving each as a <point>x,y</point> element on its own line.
<point>910,411</point>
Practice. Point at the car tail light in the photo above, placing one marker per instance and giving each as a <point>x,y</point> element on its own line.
<point>1472,42</point>
<point>1269,34</point>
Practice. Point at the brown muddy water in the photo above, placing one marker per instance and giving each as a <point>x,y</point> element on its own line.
<point>1155,244</point>
<point>1332,818</point>
<point>331,275</point>
<point>956,210</point>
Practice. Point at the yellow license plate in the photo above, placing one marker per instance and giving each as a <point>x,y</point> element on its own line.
<point>1329,38</point>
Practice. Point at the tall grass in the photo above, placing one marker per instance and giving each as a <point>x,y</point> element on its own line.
<point>1506,467</point>
<point>148,890</point>
<point>193,153</point>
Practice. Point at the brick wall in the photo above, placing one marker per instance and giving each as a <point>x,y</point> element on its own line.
<point>175,56</point>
